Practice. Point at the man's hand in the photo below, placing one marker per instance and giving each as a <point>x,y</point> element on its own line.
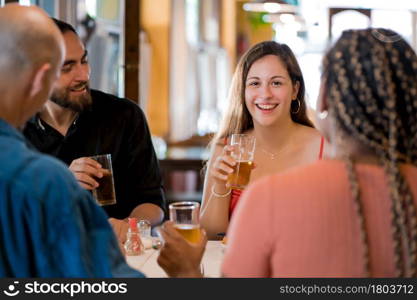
<point>84,170</point>
<point>178,257</point>
<point>120,228</point>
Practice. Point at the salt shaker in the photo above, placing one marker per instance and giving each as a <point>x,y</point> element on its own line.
<point>133,245</point>
<point>144,228</point>
<point>145,233</point>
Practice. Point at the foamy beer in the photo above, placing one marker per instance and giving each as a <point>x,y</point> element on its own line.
<point>243,152</point>
<point>104,193</point>
<point>185,216</point>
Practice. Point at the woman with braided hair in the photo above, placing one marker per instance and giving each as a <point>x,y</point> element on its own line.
<point>353,215</point>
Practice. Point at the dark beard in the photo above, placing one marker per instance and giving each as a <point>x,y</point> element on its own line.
<point>77,104</point>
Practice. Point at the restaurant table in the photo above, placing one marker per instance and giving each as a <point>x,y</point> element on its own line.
<point>147,264</point>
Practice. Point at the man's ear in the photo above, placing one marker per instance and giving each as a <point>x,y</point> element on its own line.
<point>39,80</point>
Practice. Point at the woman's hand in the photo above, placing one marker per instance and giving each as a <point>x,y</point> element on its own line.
<point>222,168</point>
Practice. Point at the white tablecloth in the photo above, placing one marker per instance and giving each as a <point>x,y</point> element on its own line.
<point>146,263</point>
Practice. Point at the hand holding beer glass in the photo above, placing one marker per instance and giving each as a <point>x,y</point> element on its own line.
<point>242,151</point>
<point>104,193</point>
<point>185,216</point>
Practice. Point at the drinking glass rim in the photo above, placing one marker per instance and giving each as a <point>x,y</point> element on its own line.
<point>184,205</point>
<point>101,155</point>
<point>250,139</point>
<point>244,135</point>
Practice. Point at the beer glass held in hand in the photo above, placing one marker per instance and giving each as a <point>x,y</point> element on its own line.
<point>185,216</point>
<point>243,152</point>
<point>104,193</point>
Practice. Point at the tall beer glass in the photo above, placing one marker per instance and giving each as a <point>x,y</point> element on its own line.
<point>185,216</point>
<point>104,193</point>
<point>243,151</point>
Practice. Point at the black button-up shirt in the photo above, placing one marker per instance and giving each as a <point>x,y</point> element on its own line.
<point>116,126</point>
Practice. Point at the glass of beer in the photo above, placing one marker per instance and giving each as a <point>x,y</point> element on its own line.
<point>104,193</point>
<point>243,151</point>
<point>185,216</point>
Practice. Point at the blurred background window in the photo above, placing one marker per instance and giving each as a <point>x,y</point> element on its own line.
<point>199,69</point>
<point>100,25</point>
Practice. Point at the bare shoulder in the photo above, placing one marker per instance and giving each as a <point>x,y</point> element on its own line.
<point>308,141</point>
<point>309,134</point>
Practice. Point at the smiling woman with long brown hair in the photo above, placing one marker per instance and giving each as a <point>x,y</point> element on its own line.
<point>266,100</point>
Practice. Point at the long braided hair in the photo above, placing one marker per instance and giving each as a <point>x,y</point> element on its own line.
<point>371,83</point>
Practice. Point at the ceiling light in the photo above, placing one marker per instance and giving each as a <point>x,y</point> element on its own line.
<point>269,6</point>
<point>287,18</point>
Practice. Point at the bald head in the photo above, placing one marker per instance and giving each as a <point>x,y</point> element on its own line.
<point>28,39</point>
<point>31,55</point>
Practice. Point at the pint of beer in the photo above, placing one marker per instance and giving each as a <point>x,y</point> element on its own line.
<point>243,153</point>
<point>104,193</point>
<point>185,216</point>
<point>190,232</point>
<point>239,179</point>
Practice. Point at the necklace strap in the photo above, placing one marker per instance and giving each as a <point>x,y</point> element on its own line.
<point>273,155</point>
<point>270,154</point>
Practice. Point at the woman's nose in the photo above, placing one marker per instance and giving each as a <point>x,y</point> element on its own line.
<point>265,91</point>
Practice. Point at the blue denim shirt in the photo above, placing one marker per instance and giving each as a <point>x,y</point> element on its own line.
<point>49,225</point>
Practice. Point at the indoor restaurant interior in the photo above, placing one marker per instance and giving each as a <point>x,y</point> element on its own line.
<point>178,60</point>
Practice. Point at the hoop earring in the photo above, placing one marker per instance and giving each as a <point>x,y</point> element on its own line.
<point>298,106</point>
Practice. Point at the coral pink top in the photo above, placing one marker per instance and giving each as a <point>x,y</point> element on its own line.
<point>303,223</point>
<point>235,195</point>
